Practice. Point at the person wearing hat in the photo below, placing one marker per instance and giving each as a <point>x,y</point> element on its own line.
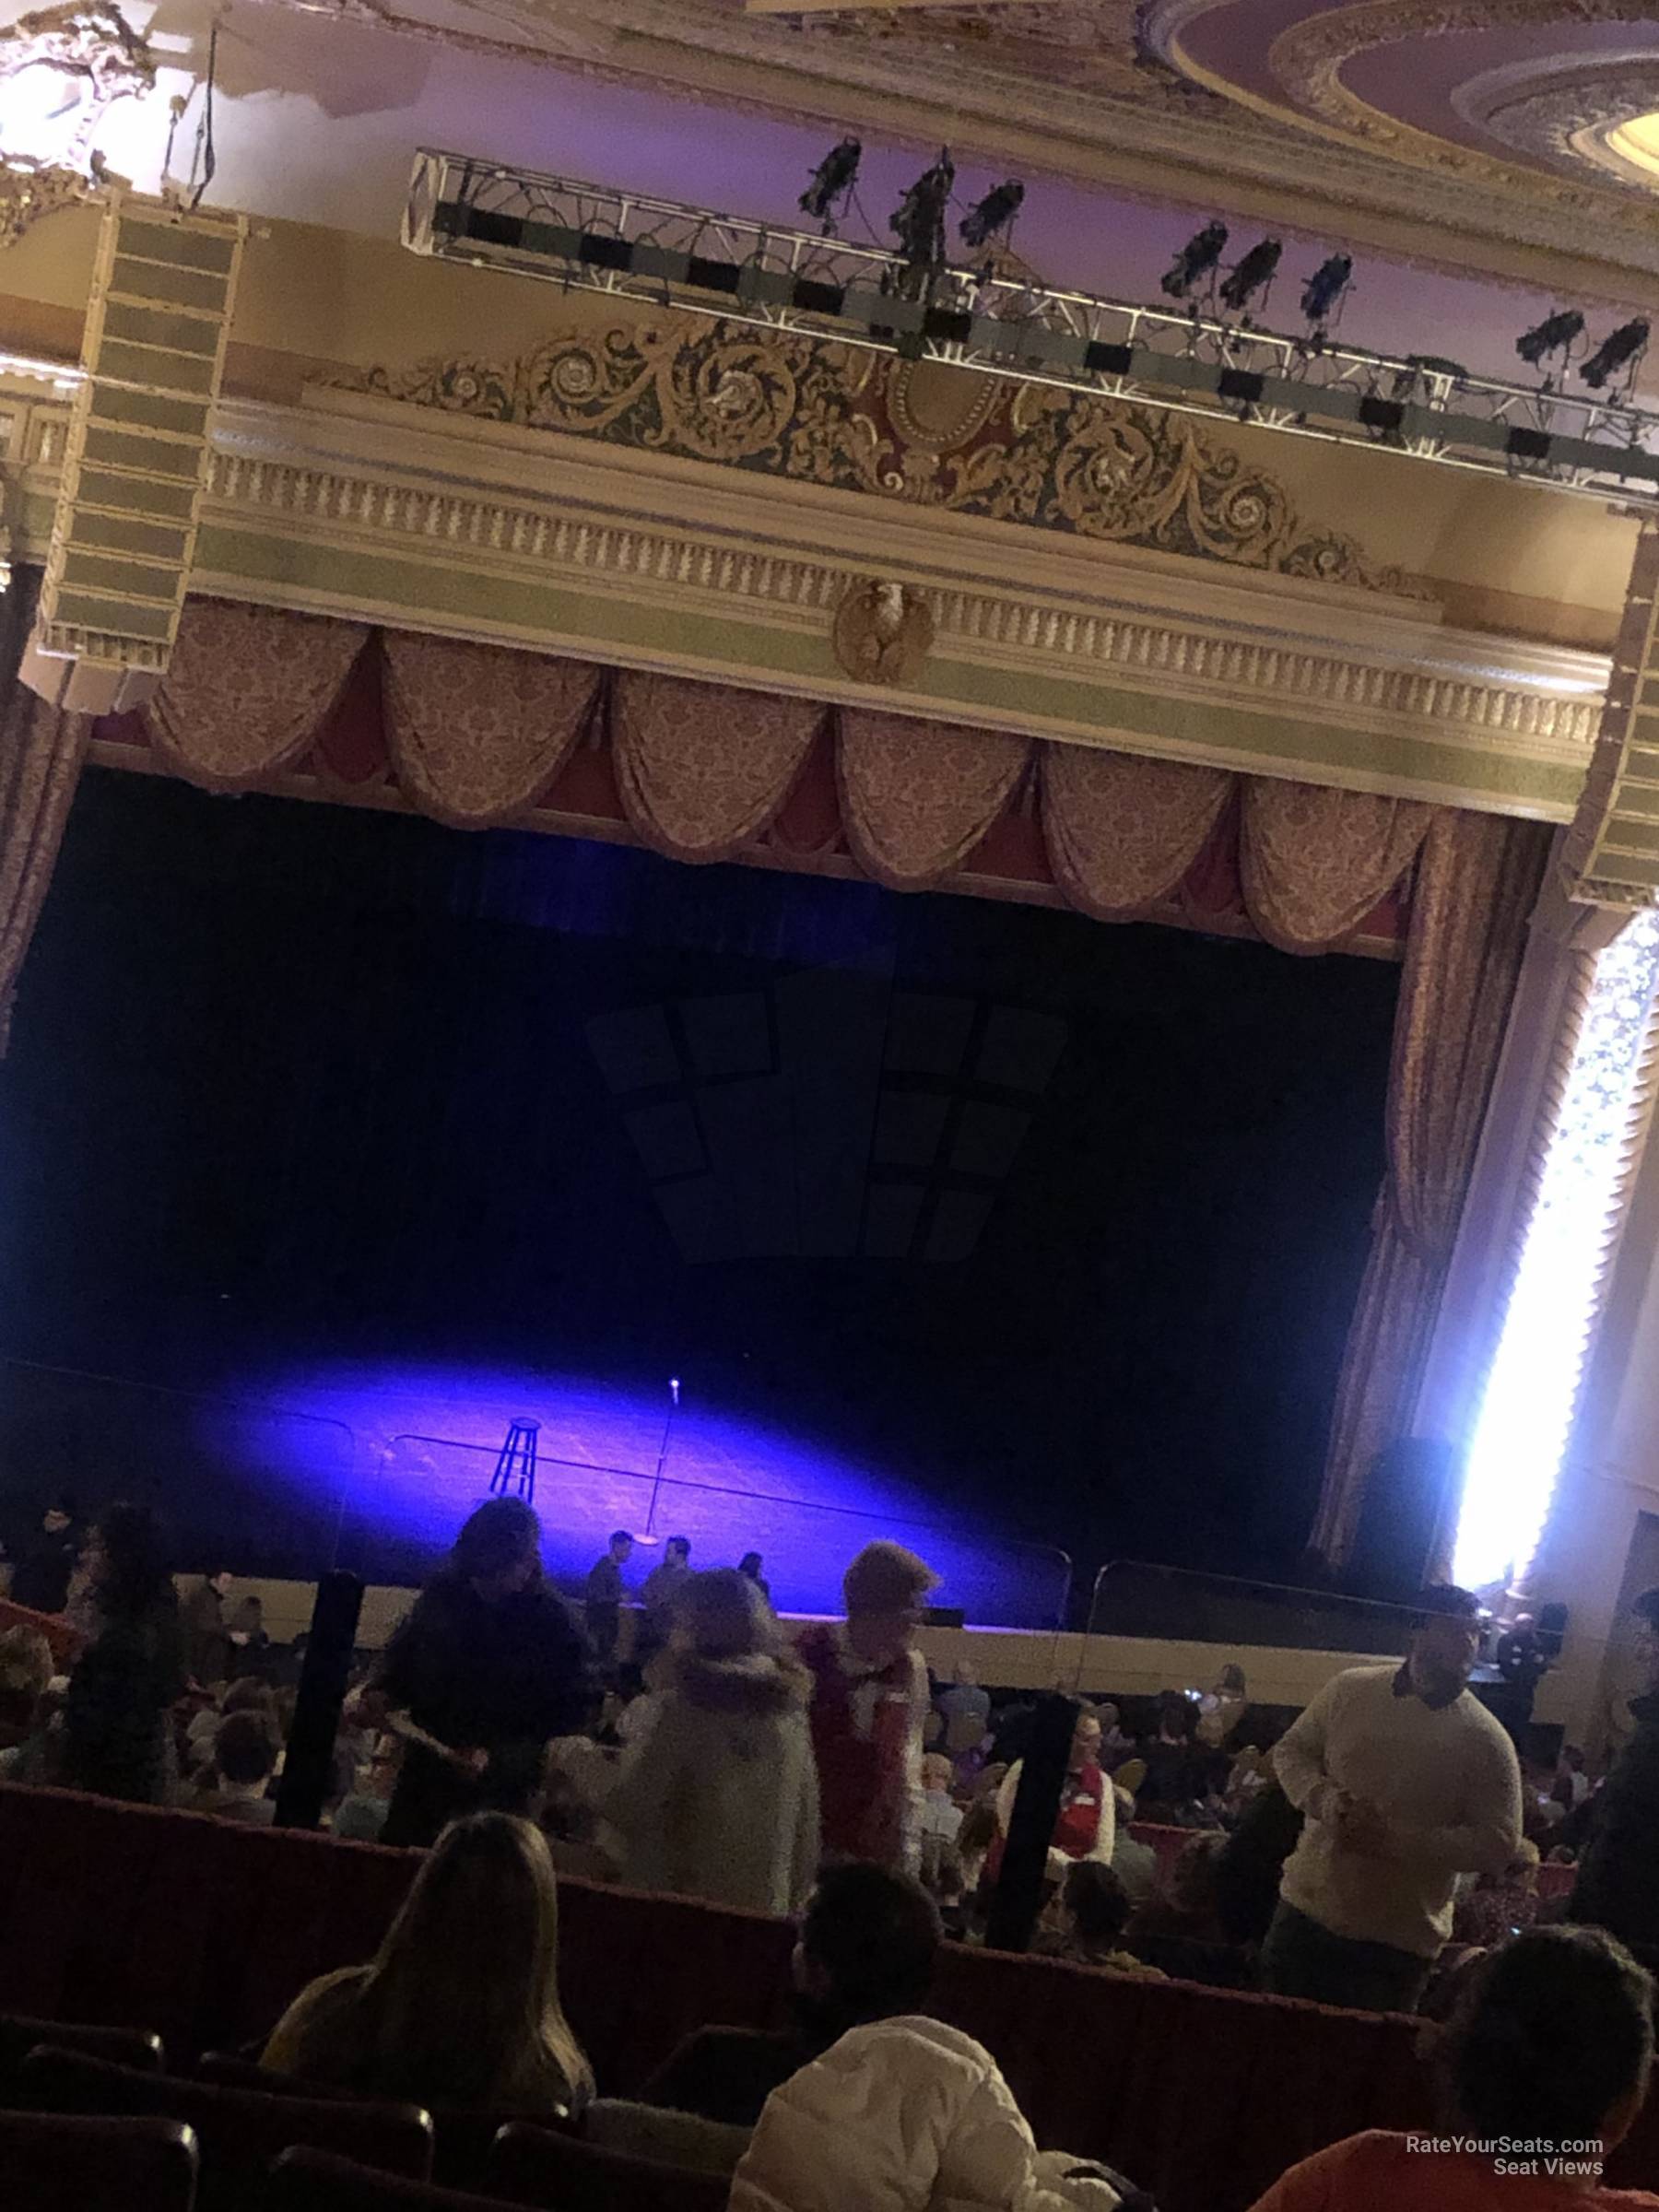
<point>869,1700</point>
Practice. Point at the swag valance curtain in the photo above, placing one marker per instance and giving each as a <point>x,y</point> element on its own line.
<point>479,735</point>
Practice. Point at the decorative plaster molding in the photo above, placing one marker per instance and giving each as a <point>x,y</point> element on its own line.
<point>556,543</point>
<point>825,414</point>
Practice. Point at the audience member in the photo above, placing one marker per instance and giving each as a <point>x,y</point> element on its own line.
<point>868,1942</point>
<point>1551,2043</point>
<point>750,1565</point>
<point>1250,1866</point>
<point>117,1737</point>
<point>908,2116</point>
<point>1406,1781</point>
<point>1498,1905</point>
<point>479,1675</point>
<point>1571,1784</point>
<point>1085,1919</point>
<point>1086,1824</point>
<point>604,1592</point>
<point>1173,1769</point>
<point>1116,1743</point>
<point>207,1639</point>
<point>360,1815</point>
<point>661,1588</point>
<point>967,1711</point>
<point>26,1672</point>
<point>461,2006</point>
<point>1615,1888</point>
<point>46,1561</point>
<point>869,1698</point>
<point>1185,1907</point>
<point>250,1645</point>
<point>716,1794</point>
<point>941,1824</point>
<point>1134,1862</point>
<point>244,1759</point>
<point>974,1841</point>
<point>1220,1712</point>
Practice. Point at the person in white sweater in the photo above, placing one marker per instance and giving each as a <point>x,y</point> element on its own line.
<point>909,2115</point>
<point>1406,1781</point>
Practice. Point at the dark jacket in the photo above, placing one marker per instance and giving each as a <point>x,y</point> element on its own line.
<point>117,1713</point>
<point>44,1568</point>
<point>1617,1886</point>
<point>500,1678</point>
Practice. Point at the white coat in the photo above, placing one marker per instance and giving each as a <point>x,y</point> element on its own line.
<point>907,2116</point>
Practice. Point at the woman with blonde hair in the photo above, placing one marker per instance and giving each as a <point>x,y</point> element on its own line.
<point>461,2006</point>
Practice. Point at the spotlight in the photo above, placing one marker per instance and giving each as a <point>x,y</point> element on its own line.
<point>1253,274</point>
<point>1324,289</point>
<point>1554,334</point>
<point>918,221</point>
<point>1627,343</point>
<point>832,180</point>
<point>1196,260</point>
<point>996,212</point>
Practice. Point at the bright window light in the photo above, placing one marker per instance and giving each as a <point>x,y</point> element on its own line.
<point>1532,1391</point>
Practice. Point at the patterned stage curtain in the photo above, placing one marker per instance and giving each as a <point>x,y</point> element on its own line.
<point>477,732</point>
<point>917,796</point>
<point>41,753</point>
<point>1315,861</point>
<point>703,768</point>
<point>1476,884</point>
<point>1121,831</point>
<point>246,690</point>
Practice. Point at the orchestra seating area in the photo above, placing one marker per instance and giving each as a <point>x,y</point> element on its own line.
<point>199,1932</point>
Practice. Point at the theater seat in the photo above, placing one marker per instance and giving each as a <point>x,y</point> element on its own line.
<point>533,2166</point>
<point>240,2132</point>
<point>54,2163</point>
<point>19,2035</point>
<point>317,2180</point>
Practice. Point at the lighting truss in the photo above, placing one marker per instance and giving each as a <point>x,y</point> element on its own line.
<point>668,256</point>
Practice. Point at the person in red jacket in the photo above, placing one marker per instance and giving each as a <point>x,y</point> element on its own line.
<point>870,1698</point>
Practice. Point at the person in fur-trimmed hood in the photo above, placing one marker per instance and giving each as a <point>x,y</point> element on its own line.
<point>716,1793</point>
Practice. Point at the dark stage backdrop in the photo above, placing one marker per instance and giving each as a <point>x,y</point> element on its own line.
<point>1056,1225</point>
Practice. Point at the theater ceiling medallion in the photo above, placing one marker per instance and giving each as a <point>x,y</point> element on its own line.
<point>1572,76</point>
<point>841,417</point>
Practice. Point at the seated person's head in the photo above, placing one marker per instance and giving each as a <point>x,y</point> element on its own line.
<point>25,1671</point>
<point>250,1696</point>
<point>1092,1904</point>
<point>1552,2038</point>
<point>244,1750</point>
<point>869,1944</point>
<point>1192,1877</point>
<point>936,1773</point>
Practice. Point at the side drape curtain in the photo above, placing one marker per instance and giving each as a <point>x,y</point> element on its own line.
<point>1478,882</point>
<point>41,753</point>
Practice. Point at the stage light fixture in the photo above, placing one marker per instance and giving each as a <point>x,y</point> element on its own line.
<point>918,221</point>
<point>1251,275</point>
<point>994,213</point>
<point>1554,334</point>
<point>832,181</point>
<point>1196,260</point>
<point>1627,344</point>
<point>1322,292</point>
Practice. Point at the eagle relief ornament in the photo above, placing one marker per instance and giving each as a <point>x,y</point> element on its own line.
<point>883,633</point>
